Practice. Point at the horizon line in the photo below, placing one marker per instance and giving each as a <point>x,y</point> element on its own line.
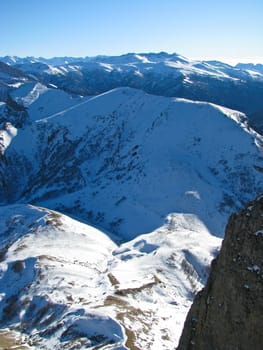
<point>231,61</point>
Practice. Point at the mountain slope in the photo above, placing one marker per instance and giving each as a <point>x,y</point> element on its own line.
<point>256,121</point>
<point>157,176</point>
<point>52,268</point>
<point>124,160</point>
<point>256,68</point>
<point>228,312</point>
<point>41,101</point>
<point>163,74</point>
<point>65,284</point>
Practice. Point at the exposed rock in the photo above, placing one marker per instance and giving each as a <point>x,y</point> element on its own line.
<point>228,313</point>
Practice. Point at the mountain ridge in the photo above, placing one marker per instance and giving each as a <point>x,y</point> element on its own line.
<point>110,142</point>
<point>155,73</point>
<point>113,204</point>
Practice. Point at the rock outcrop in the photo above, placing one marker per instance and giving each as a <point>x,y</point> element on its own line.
<point>228,313</point>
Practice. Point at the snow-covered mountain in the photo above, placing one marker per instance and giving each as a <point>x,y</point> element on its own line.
<point>145,184</point>
<point>251,67</point>
<point>163,74</point>
<point>67,285</point>
<point>125,159</point>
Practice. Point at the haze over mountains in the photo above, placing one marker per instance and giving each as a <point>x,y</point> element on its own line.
<point>144,148</point>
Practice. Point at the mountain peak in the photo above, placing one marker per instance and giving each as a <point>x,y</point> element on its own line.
<point>131,164</point>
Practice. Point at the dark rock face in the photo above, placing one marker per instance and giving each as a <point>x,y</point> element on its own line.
<point>228,313</point>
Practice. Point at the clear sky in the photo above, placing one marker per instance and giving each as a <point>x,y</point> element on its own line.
<point>199,29</point>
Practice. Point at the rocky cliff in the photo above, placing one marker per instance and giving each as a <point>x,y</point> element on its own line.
<point>228,313</point>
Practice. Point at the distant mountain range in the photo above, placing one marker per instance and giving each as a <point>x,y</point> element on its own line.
<point>239,87</point>
<point>117,177</point>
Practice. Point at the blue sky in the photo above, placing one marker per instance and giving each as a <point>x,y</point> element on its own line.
<point>203,29</point>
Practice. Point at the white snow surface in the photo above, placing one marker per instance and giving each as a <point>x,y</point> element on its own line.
<point>157,176</point>
<point>148,156</point>
<point>7,133</point>
<point>43,101</point>
<point>77,278</point>
<point>58,269</point>
<point>139,64</point>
